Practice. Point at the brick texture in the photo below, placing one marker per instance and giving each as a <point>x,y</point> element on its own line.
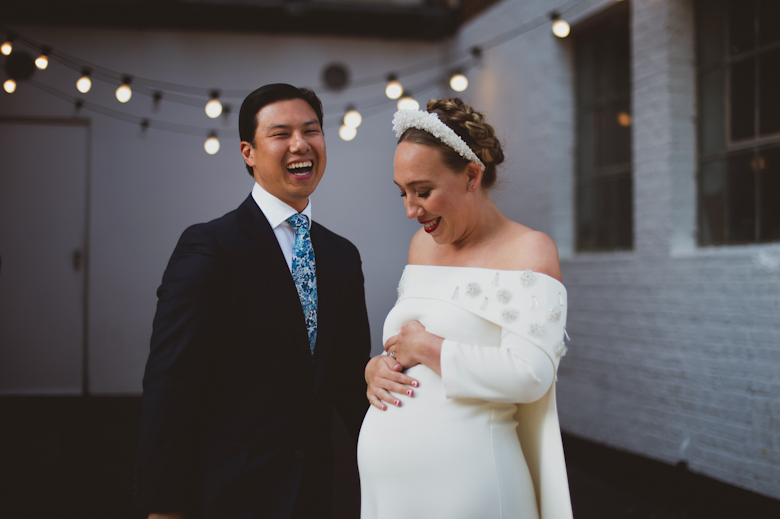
<point>676,348</point>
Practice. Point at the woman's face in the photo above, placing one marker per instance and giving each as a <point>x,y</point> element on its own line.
<point>433,194</point>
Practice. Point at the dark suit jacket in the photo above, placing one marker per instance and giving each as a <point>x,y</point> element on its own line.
<point>237,413</point>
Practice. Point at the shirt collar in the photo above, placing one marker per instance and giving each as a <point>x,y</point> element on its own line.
<point>276,211</point>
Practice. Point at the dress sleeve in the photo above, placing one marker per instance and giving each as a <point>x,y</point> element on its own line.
<point>516,372</point>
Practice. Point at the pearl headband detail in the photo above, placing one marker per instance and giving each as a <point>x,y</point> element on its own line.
<point>430,122</point>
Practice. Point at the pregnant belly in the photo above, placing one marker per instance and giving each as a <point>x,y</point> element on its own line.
<point>430,435</point>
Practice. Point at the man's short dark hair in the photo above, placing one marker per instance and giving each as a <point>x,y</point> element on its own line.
<point>265,95</point>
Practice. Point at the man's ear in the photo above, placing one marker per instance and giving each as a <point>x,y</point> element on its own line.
<point>248,152</point>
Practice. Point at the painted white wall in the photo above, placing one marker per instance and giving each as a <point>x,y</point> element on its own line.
<point>676,348</point>
<point>148,187</point>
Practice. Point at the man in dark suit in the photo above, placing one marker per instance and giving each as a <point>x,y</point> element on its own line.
<point>260,331</point>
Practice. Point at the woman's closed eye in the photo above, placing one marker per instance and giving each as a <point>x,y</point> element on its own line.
<point>424,194</point>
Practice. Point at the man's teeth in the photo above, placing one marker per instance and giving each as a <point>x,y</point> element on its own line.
<point>432,223</point>
<point>299,165</point>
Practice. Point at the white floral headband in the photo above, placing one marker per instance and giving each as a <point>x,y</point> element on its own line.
<point>430,122</point>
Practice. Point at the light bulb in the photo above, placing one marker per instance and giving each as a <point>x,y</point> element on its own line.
<point>561,28</point>
<point>347,133</point>
<point>407,102</point>
<point>42,61</point>
<point>353,118</point>
<point>394,89</point>
<point>211,145</point>
<point>6,48</point>
<point>214,108</point>
<point>9,86</point>
<point>459,82</point>
<point>84,84</point>
<point>124,93</point>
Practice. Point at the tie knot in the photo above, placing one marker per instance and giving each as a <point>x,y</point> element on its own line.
<point>299,221</point>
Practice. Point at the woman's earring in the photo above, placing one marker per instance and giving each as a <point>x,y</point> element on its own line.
<point>471,187</point>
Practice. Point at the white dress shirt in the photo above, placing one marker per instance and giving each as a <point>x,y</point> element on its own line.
<point>277,213</point>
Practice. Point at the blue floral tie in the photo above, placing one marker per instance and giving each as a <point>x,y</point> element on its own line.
<point>304,274</point>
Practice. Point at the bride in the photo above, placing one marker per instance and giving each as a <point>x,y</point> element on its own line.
<point>469,429</point>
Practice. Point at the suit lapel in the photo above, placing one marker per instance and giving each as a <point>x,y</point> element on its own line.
<point>327,304</point>
<point>272,266</point>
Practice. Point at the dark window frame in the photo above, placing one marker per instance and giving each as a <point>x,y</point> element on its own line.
<point>734,183</point>
<point>603,182</point>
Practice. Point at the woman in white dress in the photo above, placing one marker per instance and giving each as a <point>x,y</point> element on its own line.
<point>463,423</point>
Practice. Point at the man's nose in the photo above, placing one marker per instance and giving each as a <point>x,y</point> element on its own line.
<point>299,144</point>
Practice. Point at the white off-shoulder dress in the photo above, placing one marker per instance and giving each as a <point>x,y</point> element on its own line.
<point>455,450</point>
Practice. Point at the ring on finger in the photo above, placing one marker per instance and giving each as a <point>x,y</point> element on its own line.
<point>392,354</point>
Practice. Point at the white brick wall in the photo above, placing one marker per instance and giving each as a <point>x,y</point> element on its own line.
<point>670,341</point>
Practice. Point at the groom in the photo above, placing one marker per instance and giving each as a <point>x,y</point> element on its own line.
<point>260,332</point>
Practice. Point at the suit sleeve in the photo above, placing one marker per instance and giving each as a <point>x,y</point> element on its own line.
<point>350,384</point>
<point>186,327</point>
<point>516,372</point>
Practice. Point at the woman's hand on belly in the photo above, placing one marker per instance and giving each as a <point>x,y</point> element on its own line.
<point>383,374</point>
<point>414,345</point>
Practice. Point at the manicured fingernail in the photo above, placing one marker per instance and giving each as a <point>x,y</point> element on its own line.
<point>410,392</point>
<point>397,402</point>
<point>414,383</point>
<point>383,408</point>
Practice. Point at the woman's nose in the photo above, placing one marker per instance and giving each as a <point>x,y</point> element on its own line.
<point>412,210</point>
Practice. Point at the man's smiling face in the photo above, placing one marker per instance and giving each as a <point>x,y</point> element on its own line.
<point>288,157</point>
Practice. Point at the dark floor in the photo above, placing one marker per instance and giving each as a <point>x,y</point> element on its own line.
<point>66,457</point>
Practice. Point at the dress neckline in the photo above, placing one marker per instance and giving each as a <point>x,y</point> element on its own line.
<point>485,269</point>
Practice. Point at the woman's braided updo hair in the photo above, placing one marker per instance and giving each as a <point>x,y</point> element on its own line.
<point>471,127</point>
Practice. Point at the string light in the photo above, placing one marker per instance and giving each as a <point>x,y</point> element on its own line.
<point>212,144</point>
<point>42,61</point>
<point>624,119</point>
<point>84,83</point>
<point>393,90</point>
<point>9,86</point>
<point>459,82</point>
<point>407,102</point>
<point>214,107</point>
<point>347,133</point>
<point>352,118</point>
<point>124,92</point>
<point>8,46</point>
<point>560,27</point>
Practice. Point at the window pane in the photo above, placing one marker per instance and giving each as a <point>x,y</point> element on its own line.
<point>769,92</point>
<point>769,22</point>
<point>710,32</point>
<point>770,194</point>
<point>741,208</point>
<point>742,30</point>
<point>712,123</point>
<point>743,99</point>
<point>585,145</point>
<point>712,203</point>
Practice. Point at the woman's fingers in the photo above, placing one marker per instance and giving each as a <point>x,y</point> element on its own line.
<point>377,403</point>
<point>386,396</point>
<point>397,377</point>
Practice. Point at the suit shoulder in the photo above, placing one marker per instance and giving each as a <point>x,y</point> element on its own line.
<point>213,228</point>
<point>334,239</point>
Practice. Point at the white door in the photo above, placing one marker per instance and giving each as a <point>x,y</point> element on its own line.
<point>43,199</point>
